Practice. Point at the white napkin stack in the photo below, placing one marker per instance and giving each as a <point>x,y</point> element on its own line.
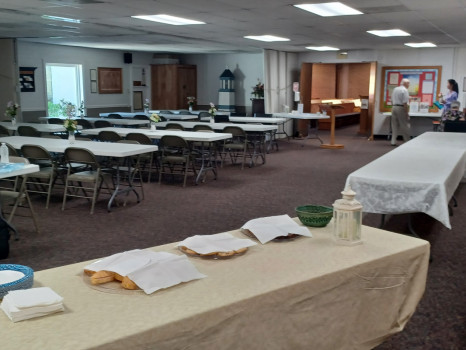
<point>151,271</point>
<point>268,228</point>
<point>221,242</point>
<point>24,304</point>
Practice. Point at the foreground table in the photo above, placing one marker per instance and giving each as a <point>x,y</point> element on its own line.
<point>418,176</point>
<point>104,149</point>
<point>304,294</point>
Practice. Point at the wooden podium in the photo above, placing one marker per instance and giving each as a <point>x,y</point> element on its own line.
<point>331,112</point>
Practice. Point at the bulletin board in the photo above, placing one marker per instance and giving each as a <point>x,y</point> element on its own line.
<point>424,85</point>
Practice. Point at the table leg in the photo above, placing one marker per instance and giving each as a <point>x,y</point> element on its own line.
<point>130,187</point>
<point>382,222</point>
<point>208,161</point>
<point>315,133</point>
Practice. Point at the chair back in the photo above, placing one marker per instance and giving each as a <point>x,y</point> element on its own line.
<point>166,112</point>
<point>174,126</point>
<point>263,115</point>
<point>173,142</point>
<point>203,115</point>
<point>28,131</point>
<point>86,124</point>
<point>55,121</point>
<point>81,156</point>
<point>114,116</point>
<point>140,138</point>
<point>454,126</point>
<point>236,131</point>
<point>109,136</point>
<point>11,150</point>
<point>102,124</point>
<point>141,117</point>
<point>203,128</point>
<point>35,153</point>
<point>4,131</point>
<point>233,114</point>
<point>222,118</point>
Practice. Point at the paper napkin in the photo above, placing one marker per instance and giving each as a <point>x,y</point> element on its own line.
<point>221,242</point>
<point>268,228</point>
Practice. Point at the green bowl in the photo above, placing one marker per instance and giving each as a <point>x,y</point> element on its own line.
<point>314,215</point>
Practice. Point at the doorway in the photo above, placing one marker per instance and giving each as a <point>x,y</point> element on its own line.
<point>64,87</point>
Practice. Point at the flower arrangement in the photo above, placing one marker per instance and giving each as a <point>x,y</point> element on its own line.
<point>191,100</point>
<point>11,109</point>
<point>70,125</point>
<point>146,104</point>
<point>155,118</point>
<point>258,90</point>
<point>67,108</point>
<point>212,110</point>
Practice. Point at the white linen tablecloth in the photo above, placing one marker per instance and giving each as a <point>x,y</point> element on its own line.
<point>302,294</point>
<point>419,176</point>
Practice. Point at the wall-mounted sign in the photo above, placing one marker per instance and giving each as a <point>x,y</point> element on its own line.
<point>26,79</point>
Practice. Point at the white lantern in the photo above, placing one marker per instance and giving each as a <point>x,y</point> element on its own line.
<point>347,216</point>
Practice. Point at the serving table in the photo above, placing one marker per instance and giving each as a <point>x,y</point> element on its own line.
<point>104,149</point>
<point>418,176</point>
<point>306,116</point>
<point>415,129</point>
<point>301,294</point>
<point>123,114</point>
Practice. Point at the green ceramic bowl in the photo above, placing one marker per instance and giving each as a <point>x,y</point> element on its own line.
<point>314,215</point>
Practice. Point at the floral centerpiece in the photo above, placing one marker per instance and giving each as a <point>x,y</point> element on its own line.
<point>11,110</point>
<point>146,105</point>
<point>258,90</point>
<point>81,109</point>
<point>67,108</point>
<point>154,118</point>
<point>212,112</point>
<point>191,100</point>
<point>71,126</point>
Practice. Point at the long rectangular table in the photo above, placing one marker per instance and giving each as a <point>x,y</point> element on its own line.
<point>127,122</point>
<point>104,149</point>
<point>417,127</point>
<point>44,128</point>
<point>418,176</point>
<point>313,133</point>
<point>301,294</point>
<point>221,126</point>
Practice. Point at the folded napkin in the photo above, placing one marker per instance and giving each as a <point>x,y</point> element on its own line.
<point>23,304</point>
<point>268,228</point>
<point>165,273</point>
<point>221,242</point>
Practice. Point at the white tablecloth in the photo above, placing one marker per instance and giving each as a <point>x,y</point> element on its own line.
<point>419,176</point>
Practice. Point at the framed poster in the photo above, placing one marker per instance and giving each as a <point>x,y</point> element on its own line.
<point>110,80</point>
<point>93,87</point>
<point>26,79</point>
<point>137,101</point>
<point>93,74</point>
<point>424,84</point>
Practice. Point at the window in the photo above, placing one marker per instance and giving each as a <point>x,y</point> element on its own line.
<point>64,86</point>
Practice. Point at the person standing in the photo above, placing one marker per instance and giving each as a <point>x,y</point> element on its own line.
<point>451,96</point>
<point>400,116</point>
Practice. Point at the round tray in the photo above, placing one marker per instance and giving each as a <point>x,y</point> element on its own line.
<point>290,237</point>
<point>24,282</point>
<point>113,287</point>
<point>212,256</point>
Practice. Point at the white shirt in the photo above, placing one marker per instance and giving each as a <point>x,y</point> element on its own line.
<point>400,95</point>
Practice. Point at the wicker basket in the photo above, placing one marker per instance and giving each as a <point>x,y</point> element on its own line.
<point>314,215</point>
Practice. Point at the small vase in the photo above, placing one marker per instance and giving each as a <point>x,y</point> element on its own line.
<point>153,127</point>
<point>190,108</point>
<point>82,115</point>
<point>146,110</point>
<point>71,137</point>
<point>212,119</point>
<point>13,121</point>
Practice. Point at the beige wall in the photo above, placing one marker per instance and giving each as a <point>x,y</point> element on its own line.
<point>8,74</point>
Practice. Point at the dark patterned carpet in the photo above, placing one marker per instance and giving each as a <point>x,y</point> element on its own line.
<point>299,173</point>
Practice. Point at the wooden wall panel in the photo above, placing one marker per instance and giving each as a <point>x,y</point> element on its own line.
<point>352,80</point>
<point>323,81</point>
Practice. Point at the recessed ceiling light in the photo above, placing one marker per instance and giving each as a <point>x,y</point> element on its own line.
<point>167,19</point>
<point>63,19</point>
<point>421,45</point>
<point>329,9</point>
<point>322,48</point>
<point>389,32</point>
<point>267,38</point>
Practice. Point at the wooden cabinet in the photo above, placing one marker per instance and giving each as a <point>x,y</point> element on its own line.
<point>172,84</point>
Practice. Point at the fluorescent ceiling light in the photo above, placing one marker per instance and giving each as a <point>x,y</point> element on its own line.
<point>63,19</point>
<point>389,32</point>
<point>267,38</point>
<point>329,9</point>
<point>421,45</point>
<point>167,19</point>
<point>322,48</point>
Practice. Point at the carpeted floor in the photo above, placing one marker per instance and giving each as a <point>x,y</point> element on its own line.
<point>299,173</point>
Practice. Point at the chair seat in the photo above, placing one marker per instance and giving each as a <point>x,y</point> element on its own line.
<point>234,146</point>
<point>43,173</point>
<point>175,159</point>
<point>8,195</point>
<point>89,176</point>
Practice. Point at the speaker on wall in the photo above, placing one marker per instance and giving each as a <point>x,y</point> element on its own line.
<point>128,57</point>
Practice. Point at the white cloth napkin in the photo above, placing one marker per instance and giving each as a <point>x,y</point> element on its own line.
<point>268,228</point>
<point>221,242</point>
<point>23,304</point>
<point>165,273</point>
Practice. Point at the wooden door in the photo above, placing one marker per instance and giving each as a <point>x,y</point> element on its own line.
<point>186,85</point>
<point>164,86</point>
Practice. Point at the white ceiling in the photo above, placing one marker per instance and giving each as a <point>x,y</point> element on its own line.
<point>107,24</point>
